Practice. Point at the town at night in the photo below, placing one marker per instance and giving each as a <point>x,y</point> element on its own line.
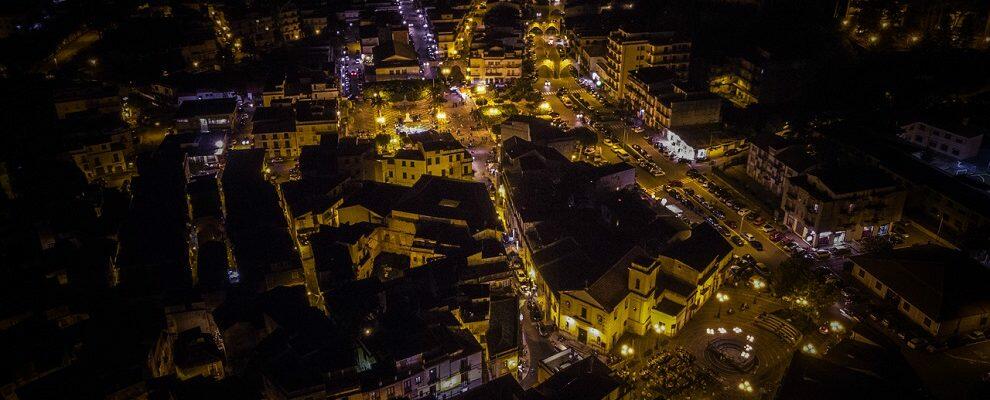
<point>494,199</point>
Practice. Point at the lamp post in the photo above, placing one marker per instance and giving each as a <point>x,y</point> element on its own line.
<point>722,298</point>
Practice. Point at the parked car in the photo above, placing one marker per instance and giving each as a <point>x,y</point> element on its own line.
<point>822,254</point>
<point>756,245</point>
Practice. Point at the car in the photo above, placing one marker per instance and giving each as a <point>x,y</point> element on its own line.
<point>749,237</point>
<point>756,245</point>
<point>767,228</point>
<point>567,102</point>
<point>520,275</point>
<point>822,254</point>
<point>732,224</point>
<point>638,129</point>
<point>976,335</point>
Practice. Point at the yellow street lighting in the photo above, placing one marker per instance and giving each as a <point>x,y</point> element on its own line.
<point>445,71</point>
<point>758,283</point>
<point>746,386</point>
<point>809,348</point>
<point>317,31</point>
<point>481,88</point>
<point>884,25</point>
<point>380,120</point>
<point>493,112</point>
<point>659,328</point>
<point>441,115</point>
<point>845,22</point>
<point>722,297</point>
<point>545,106</point>
<point>836,326</point>
<point>874,38</point>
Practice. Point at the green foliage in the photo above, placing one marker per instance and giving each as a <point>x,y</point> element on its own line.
<point>400,90</point>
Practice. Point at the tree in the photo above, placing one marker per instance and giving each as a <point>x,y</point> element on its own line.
<point>382,140</point>
<point>789,274</point>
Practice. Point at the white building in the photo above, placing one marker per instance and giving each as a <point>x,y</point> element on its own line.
<point>959,141</point>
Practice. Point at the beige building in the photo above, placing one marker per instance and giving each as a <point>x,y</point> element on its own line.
<point>831,206</point>
<point>108,158</point>
<point>956,140</point>
<point>432,153</point>
<point>299,85</point>
<point>661,100</point>
<point>639,293</point>
<point>283,131</point>
<point>938,289</point>
<point>495,64</point>
<point>772,160</point>
<point>631,50</point>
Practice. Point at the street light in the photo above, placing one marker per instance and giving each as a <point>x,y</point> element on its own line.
<point>545,106</point>
<point>722,298</point>
<point>746,386</point>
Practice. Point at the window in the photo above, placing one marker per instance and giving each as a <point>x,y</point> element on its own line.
<point>458,157</point>
<point>404,176</point>
<point>906,307</point>
<point>601,319</point>
<point>412,163</point>
<point>438,160</point>
<point>467,170</point>
<point>403,163</point>
<point>637,283</point>
<point>928,322</point>
<point>878,286</point>
<point>584,313</point>
<point>862,274</point>
<point>429,161</point>
<point>391,174</point>
<point>285,135</point>
<point>983,320</point>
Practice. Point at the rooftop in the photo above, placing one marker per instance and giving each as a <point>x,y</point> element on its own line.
<point>943,283</point>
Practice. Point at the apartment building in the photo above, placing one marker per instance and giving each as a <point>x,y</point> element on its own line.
<point>629,50</point>
<point>283,131</point>
<point>432,153</point>
<point>773,159</point>
<point>663,101</point>
<point>831,206</point>
<point>938,289</point>
<point>955,140</point>
<point>299,85</point>
<point>105,157</point>
<point>495,64</point>
<point>208,115</point>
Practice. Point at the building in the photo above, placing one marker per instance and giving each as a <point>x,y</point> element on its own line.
<point>495,64</point>
<point>773,159</point>
<point>539,132</point>
<point>86,99</point>
<point>662,101</point>
<point>955,140</point>
<point>938,289</point>
<point>639,293</point>
<point>394,60</point>
<point>432,153</point>
<point>299,85</point>
<point>833,205</point>
<point>208,115</point>
<point>629,50</point>
<point>698,142</point>
<point>285,131</point>
<point>106,158</point>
